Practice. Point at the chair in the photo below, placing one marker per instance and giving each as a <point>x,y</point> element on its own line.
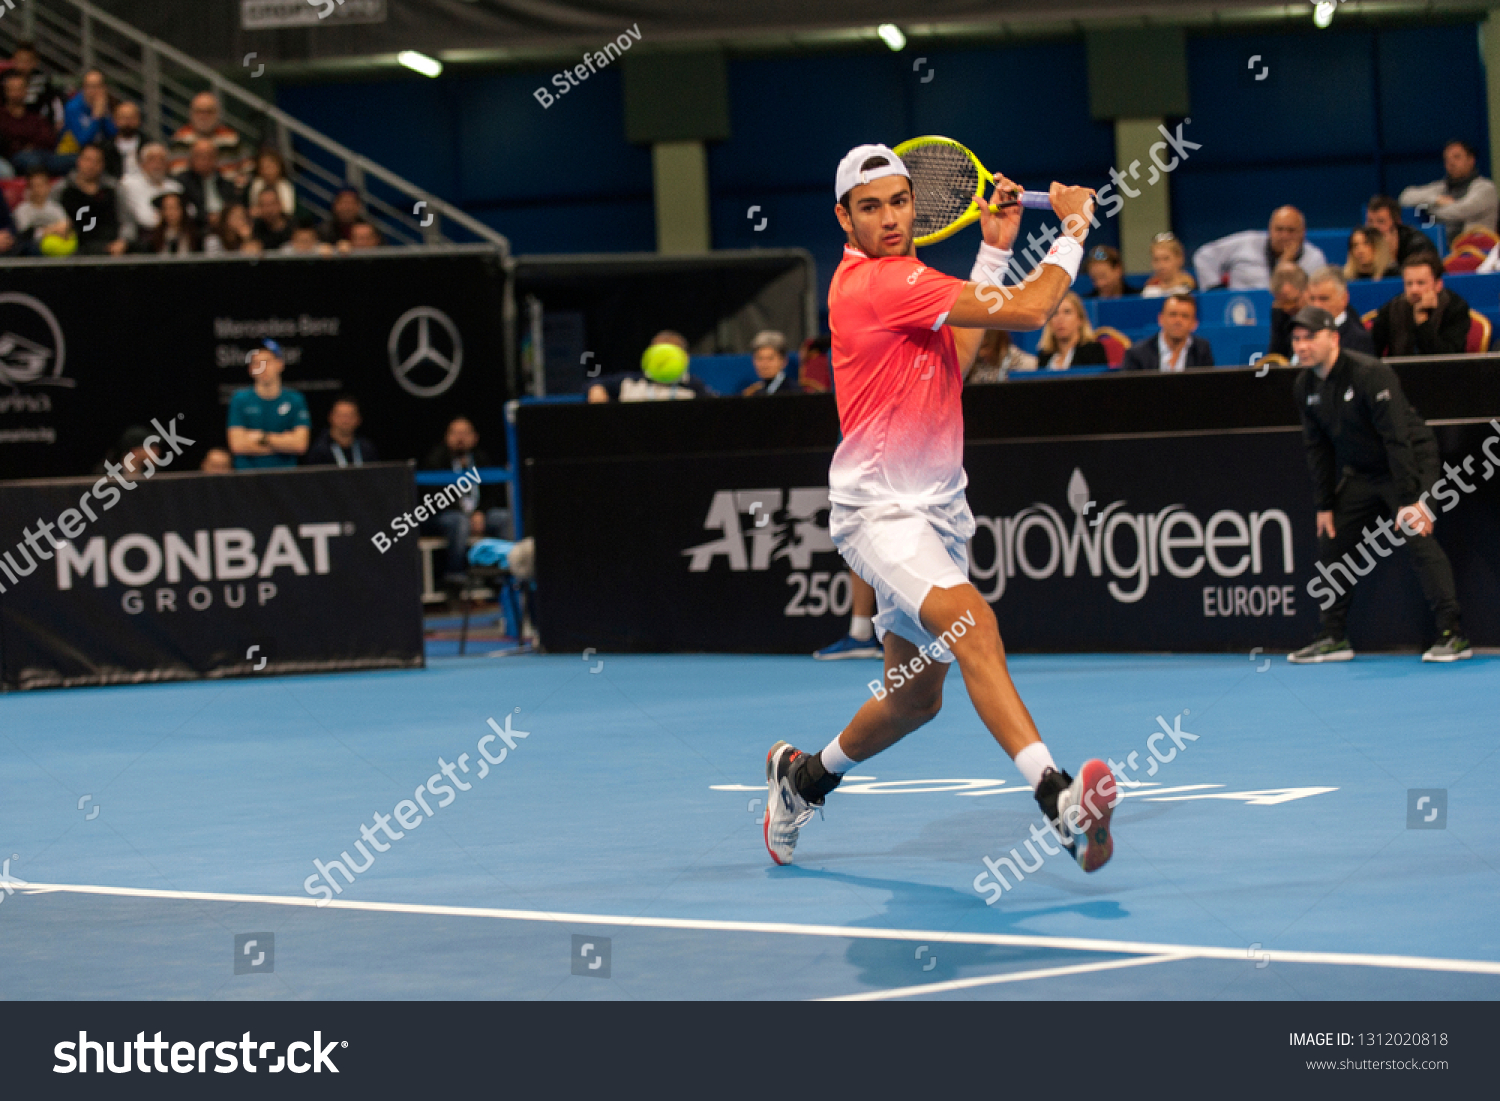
<point>1463,260</point>
<point>1479,333</point>
<point>1368,318</point>
<point>13,191</point>
<point>1274,359</point>
<point>1116,344</point>
<point>1475,237</point>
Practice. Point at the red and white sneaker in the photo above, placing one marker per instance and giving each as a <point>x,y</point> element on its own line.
<point>786,811</point>
<point>1085,831</point>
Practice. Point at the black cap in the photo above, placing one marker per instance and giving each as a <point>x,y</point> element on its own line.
<point>1314,319</point>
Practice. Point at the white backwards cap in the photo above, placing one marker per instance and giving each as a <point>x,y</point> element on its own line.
<point>849,175</point>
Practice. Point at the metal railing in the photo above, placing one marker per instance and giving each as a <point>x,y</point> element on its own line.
<point>74,35</point>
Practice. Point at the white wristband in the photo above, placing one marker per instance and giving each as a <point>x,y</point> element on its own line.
<point>990,265</point>
<point>1067,254</point>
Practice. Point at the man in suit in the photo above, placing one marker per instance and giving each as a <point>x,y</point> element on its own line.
<point>1174,347</point>
<point>204,188</point>
<point>1425,319</point>
<point>1328,291</point>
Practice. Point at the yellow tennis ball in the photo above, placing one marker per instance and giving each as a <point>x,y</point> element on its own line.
<point>53,245</point>
<point>664,363</point>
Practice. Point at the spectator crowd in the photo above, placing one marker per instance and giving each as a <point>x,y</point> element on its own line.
<point>91,182</point>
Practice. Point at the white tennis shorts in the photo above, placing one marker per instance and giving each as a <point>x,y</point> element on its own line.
<point>905,552</point>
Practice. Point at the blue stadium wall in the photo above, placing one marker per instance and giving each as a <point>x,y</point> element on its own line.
<point>1341,115</point>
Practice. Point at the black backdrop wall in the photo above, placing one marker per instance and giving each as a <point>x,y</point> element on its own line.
<point>89,348</point>
<point>1123,513</point>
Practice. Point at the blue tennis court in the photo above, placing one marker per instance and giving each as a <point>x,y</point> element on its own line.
<point>607,845</point>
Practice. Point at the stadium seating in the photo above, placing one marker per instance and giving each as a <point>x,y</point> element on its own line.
<point>1116,344</point>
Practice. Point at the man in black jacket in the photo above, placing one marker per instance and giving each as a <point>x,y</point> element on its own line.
<point>1373,460</point>
<point>1174,347</point>
<point>482,511</point>
<point>1425,319</point>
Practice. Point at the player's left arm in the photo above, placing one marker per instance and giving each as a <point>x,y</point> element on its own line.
<point>999,229</point>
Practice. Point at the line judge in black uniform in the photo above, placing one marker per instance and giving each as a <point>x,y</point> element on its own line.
<point>1372,456</point>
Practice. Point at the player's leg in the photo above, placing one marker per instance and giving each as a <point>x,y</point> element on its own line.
<point>860,641</point>
<point>1356,505</point>
<point>1435,573</point>
<point>798,783</point>
<point>1080,809</point>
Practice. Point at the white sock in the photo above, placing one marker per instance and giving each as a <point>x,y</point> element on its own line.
<point>861,628</point>
<point>1034,760</point>
<point>834,759</point>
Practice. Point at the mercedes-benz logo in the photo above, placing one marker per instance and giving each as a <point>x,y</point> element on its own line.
<point>22,359</point>
<point>422,367</point>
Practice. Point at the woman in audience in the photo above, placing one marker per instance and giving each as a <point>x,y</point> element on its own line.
<point>1369,256</point>
<point>175,233</point>
<point>234,233</point>
<point>1167,277</point>
<point>997,357</point>
<point>270,171</point>
<point>1068,339</point>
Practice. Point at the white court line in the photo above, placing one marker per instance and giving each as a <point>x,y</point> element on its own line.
<point>1009,976</point>
<point>850,932</point>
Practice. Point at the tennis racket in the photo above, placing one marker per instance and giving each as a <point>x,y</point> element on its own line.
<point>948,184</point>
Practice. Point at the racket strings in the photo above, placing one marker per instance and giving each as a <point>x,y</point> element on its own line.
<point>943,183</point>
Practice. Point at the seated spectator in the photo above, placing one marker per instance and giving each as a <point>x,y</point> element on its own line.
<point>814,371</point>
<point>1106,273</point>
<point>39,216</point>
<point>176,231</point>
<point>1370,255</point>
<point>661,378</point>
<point>122,153</point>
<point>1426,318</point>
<point>1243,261</point>
<point>41,94</point>
<point>1174,347</point>
<point>268,423</point>
<point>141,188</point>
<point>95,206</point>
<point>1328,291</point>
<point>1461,198</point>
<point>1068,339</point>
<point>1288,295</point>
<point>235,233</point>
<point>270,171</point>
<point>482,511</point>
<point>217,461</point>
<point>88,117</point>
<point>348,208</point>
<point>26,137</point>
<point>231,157</point>
<point>305,239</point>
<point>362,235</point>
<point>272,228</point>
<point>1383,214</point>
<point>131,456</point>
<point>1167,276</point>
<point>998,357</point>
<point>340,443</point>
<point>206,189</point>
<point>768,352</point>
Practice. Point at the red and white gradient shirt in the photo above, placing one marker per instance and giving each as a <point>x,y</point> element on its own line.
<point>896,375</point>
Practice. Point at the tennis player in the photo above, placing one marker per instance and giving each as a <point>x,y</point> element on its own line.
<point>903,336</point>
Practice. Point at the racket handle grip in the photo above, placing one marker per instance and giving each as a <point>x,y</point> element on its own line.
<point>1036,200</point>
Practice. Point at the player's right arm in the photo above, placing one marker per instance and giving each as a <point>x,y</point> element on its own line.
<point>1027,306</point>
